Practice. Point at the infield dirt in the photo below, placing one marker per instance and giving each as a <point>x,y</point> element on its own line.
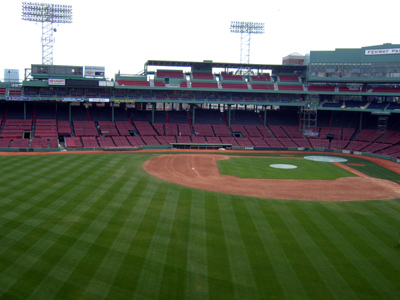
<point>201,171</point>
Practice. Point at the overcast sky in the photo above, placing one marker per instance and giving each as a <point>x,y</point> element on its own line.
<point>123,35</point>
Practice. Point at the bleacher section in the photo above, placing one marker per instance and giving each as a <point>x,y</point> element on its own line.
<point>47,128</point>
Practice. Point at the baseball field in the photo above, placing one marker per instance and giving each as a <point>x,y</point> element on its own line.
<point>226,225</point>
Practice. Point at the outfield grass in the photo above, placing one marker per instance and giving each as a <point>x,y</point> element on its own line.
<point>99,227</point>
<point>256,167</point>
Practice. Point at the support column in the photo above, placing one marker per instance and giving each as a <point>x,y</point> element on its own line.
<point>153,109</point>
<point>229,116</point>
<point>265,116</point>
<point>193,115</point>
<point>70,113</point>
<point>24,110</point>
<point>361,118</point>
<point>112,112</point>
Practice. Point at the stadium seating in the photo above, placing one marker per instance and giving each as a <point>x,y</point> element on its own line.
<point>221,130</point>
<point>64,128</point>
<point>318,88</point>
<point>15,128</point>
<point>386,90</point>
<point>226,76</point>
<point>255,86</point>
<point>85,128</point>
<point>205,85</point>
<point>142,83</point>
<point>203,130</point>
<point>89,142</point>
<point>73,142</point>
<point>120,141</point>
<point>287,87</point>
<point>135,141</point>
<point>105,142</point>
<point>20,143</point>
<point>288,78</point>
<point>241,86</point>
<point>261,78</point>
<point>107,128</point>
<point>144,128</point>
<point>170,74</point>
<point>202,76</point>
<point>45,128</point>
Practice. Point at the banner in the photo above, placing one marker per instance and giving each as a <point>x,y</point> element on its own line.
<point>94,71</point>
<point>56,81</point>
<point>382,51</point>
<point>72,99</point>
<point>17,98</point>
<point>99,100</point>
<point>125,101</point>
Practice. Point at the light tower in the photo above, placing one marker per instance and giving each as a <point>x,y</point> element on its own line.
<point>47,14</point>
<point>246,29</point>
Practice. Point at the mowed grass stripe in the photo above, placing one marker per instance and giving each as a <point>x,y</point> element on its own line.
<point>152,272</point>
<point>281,265</point>
<point>385,231</point>
<point>260,260</point>
<point>30,215</point>
<point>308,277</point>
<point>19,231</point>
<point>175,267</point>
<point>370,281</point>
<point>220,284</point>
<point>17,164</point>
<point>389,209</point>
<point>330,243</point>
<point>138,233</point>
<point>370,246</point>
<point>241,272</point>
<point>12,185</point>
<point>197,268</point>
<point>330,284</point>
<point>122,228</point>
<point>33,197</point>
<point>100,234</point>
<point>48,244</point>
<point>37,197</point>
<point>99,231</point>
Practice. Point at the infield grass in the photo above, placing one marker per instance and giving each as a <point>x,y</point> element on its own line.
<point>256,167</point>
<point>99,227</point>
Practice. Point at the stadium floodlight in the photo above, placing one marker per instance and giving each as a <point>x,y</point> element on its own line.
<point>47,14</point>
<point>246,29</point>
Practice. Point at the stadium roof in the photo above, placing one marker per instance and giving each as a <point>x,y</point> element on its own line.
<point>211,64</point>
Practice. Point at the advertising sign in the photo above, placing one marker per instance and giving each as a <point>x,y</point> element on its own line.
<point>382,51</point>
<point>94,71</point>
<point>72,99</point>
<point>99,100</point>
<point>17,98</point>
<point>56,81</point>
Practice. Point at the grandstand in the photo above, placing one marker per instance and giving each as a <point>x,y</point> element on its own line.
<point>327,103</point>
